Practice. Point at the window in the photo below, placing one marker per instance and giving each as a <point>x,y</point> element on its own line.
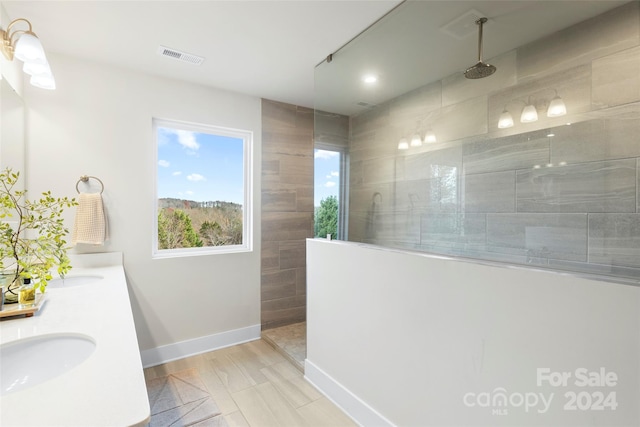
<point>330,192</point>
<point>203,193</point>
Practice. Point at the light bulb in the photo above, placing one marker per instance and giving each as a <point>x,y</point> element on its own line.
<point>556,108</point>
<point>506,120</point>
<point>403,144</point>
<point>29,49</point>
<point>529,114</point>
<point>43,81</point>
<point>416,141</point>
<point>34,68</point>
<point>430,136</point>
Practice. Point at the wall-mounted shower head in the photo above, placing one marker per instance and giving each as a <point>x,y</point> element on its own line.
<point>480,69</point>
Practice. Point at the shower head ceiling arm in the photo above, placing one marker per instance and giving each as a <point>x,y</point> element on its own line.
<point>480,22</point>
<point>480,69</point>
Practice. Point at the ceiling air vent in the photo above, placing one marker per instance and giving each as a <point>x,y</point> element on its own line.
<point>464,25</point>
<point>365,104</point>
<point>180,56</point>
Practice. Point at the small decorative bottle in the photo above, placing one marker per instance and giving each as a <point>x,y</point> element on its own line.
<point>26,294</point>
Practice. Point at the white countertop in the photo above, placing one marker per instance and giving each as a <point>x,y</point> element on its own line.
<point>108,388</point>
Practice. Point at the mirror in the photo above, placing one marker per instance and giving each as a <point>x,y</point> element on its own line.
<point>12,146</point>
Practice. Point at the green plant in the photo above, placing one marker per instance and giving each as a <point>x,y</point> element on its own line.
<point>176,231</point>
<point>326,218</point>
<point>32,233</point>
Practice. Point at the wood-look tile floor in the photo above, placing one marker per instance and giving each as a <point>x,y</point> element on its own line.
<point>254,385</point>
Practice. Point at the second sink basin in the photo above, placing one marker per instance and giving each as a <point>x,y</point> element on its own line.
<point>31,361</point>
<point>71,281</point>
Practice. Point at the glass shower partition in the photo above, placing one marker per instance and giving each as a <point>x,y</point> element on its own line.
<point>560,192</point>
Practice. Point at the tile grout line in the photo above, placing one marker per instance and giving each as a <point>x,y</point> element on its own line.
<point>284,353</point>
<point>202,365</point>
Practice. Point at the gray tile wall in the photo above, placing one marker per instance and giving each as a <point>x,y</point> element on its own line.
<point>544,193</point>
<point>287,210</point>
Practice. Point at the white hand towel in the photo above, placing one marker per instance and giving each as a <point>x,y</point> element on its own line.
<point>90,225</point>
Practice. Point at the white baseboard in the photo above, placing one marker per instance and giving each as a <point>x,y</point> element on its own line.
<point>357,409</point>
<point>180,350</point>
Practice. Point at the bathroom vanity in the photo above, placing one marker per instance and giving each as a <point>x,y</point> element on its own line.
<point>80,363</point>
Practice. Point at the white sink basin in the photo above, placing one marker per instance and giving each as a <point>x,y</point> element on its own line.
<point>71,281</point>
<point>32,361</point>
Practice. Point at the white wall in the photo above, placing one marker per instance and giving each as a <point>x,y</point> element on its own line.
<point>10,70</point>
<point>99,122</point>
<point>12,151</point>
<point>399,338</point>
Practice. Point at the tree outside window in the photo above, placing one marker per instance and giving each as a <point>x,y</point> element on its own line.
<point>202,188</point>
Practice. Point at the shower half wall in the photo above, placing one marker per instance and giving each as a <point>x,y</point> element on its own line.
<point>559,193</point>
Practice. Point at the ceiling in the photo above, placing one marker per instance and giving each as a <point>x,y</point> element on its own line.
<point>410,48</point>
<point>269,48</point>
<point>262,48</point>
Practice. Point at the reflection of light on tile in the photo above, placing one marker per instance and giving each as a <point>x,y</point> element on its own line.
<point>562,164</point>
<point>549,165</point>
<point>536,167</point>
<point>551,134</point>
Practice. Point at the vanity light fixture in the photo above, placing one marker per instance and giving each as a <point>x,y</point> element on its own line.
<point>506,119</point>
<point>529,113</point>
<point>556,107</point>
<point>403,144</point>
<point>416,141</point>
<point>25,46</point>
<point>430,137</point>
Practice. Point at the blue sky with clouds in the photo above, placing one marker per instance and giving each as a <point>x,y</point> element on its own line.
<point>327,175</point>
<point>200,166</point>
<point>205,167</point>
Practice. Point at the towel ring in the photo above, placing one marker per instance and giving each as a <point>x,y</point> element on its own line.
<point>85,178</point>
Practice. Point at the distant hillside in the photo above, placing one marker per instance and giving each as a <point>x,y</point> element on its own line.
<point>187,223</point>
<point>191,204</point>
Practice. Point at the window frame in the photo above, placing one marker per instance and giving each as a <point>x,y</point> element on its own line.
<point>343,187</point>
<point>247,208</point>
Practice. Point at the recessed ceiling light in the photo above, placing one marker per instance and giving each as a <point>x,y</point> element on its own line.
<point>551,134</point>
<point>369,78</point>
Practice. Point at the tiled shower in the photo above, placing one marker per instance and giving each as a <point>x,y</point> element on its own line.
<point>287,211</point>
<point>559,193</point>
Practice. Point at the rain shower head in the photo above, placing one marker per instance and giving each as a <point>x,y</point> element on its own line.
<point>480,69</point>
